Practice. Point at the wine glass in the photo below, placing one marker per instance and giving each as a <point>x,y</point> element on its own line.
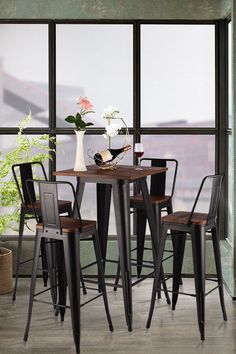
<point>139,151</point>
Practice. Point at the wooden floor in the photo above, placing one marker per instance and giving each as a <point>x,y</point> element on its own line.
<point>171,332</point>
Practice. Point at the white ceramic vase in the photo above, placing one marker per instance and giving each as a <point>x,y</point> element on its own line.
<point>79,160</point>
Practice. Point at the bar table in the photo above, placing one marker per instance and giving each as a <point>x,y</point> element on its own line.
<point>118,180</point>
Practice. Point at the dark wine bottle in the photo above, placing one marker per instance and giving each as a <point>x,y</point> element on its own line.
<point>109,155</point>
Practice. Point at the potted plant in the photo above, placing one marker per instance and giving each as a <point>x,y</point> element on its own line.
<point>25,149</point>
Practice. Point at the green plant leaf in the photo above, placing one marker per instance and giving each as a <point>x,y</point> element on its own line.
<point>78,117</point>
<point>82,124</point>
<point>88,124</point>
<point>70,119</point>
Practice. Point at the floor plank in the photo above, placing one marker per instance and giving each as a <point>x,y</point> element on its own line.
<point>171,331</point>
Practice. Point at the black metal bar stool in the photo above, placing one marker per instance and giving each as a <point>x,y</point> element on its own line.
<point>21,173</point>
<point>196,224</point>
<point>69,232</point>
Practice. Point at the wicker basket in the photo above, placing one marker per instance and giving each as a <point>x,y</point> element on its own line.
<point>5,270</point>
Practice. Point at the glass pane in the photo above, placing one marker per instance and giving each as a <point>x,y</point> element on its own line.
<point>196,157</point>
<point>178,75</point>
<point>66,159</point>
<point>24,73</point>
<point>94,61</point>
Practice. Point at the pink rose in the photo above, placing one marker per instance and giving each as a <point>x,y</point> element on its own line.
<point>85,104</point>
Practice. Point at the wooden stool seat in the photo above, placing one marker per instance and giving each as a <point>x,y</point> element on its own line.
<point>62,204</point>
<point>182,217</point>
<point>73,225</point>
<point>137,200</point>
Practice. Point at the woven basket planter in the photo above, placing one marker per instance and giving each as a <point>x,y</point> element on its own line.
<point>5,270</point>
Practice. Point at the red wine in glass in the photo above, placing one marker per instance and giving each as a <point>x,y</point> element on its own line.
<point>139,154</point>
<point>139,151</point>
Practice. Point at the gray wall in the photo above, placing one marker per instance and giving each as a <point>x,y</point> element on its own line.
<point>115,9</point>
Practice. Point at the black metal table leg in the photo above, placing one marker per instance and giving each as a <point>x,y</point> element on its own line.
<point>122,207</point>
<point>79,195</point>
<point>103,213</point>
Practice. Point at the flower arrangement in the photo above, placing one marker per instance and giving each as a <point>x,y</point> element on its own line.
<point>114,126</point>
<point>110,112</point>
<point>85,108</point>
<point>112,129</point>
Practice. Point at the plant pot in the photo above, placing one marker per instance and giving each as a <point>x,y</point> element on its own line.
<point>5,270</point>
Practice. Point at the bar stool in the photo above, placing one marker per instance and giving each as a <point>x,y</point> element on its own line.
<point>161,201</point>
<point>69,232</point>
<point>22,172</point>
<point>196,224</point>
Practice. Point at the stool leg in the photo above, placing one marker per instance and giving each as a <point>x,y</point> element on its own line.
<point>19,247</point>
<point>62,284</point>
<point>154,230</point>
<point>156,281</point>
<point>141,227</point>
<point>216,247</point>
<point>157,215</point>
<point>82,282</point>
<point>173,239</point>
<point>70,215</point>
<point>44,262</point>
<point>163,280</point>
<point>180,239</point>
<point>32,284</point>
<point>198,249</point>
<point>71,244</point>
<point>117,275</point>
<point>141,220</point>
<point>101,277</point>
<point>50,248</point>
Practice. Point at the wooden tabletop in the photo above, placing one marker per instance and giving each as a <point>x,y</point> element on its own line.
<point>122,172</point>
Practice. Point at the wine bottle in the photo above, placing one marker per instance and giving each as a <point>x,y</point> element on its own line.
<point>109,155</point>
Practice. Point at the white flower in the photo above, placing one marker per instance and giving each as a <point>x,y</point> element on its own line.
<point>110,111</point>
<point>112,130</point>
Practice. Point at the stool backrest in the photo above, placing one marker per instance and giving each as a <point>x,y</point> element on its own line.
<point>159,181</point>
<point>215,192</point>
<point>49,203</point>
<point>48,197</point>
<point>25,172</point>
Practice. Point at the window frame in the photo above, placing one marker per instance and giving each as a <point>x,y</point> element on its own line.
<point>220,130</point>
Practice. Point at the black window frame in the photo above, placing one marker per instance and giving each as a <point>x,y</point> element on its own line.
<point>220,130</point>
